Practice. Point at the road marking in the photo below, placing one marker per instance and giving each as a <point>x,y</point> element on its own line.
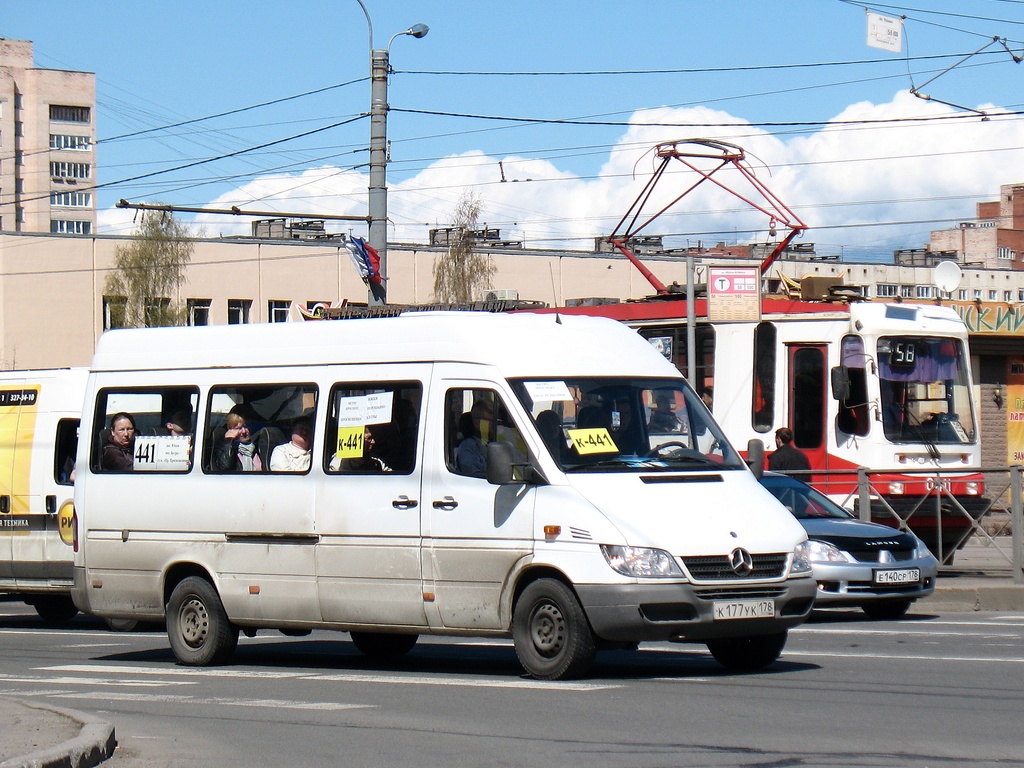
<point>899,657</point>
<point>171,699</point>
<point>91,681</point>
<point>348,677</point>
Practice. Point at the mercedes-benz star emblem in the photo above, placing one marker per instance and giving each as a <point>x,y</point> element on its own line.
<point>741,561</point>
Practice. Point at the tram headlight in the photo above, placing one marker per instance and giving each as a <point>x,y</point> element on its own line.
<point>896,489</point>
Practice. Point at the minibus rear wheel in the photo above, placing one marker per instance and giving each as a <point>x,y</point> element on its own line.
<point>197,625</point>
<point>54,609</point>
<point>551,633</point>
<point>747,653</point>
<point>378,645</point>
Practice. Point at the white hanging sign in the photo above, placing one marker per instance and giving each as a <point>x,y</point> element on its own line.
<point>885,32</point>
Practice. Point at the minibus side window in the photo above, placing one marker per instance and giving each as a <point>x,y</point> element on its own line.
<point>66,448</point>
<point>372,428</point>
<point>259,428</point>
<point>473,418</point>
<point>144,429</point>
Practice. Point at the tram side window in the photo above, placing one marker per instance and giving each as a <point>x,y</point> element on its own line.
<point>853,409</point>
<point>372,428</point>
<point>672,343</point>
<point>260,428</point>
<point>762,414</point>
<point>144,429</point>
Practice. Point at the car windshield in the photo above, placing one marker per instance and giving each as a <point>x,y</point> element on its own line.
<point>599,424</point>
<point>801,499</point>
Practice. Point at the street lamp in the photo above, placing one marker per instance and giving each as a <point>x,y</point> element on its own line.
<point>378,203</point>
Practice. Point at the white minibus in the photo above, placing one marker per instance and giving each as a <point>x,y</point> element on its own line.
<point>39,415</point>
<point>436,473</point>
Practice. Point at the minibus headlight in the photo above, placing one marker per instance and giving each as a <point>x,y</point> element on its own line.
<point>641,561</point>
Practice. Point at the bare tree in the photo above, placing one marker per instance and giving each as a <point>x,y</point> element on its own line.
<point>142,289</point>
<point>461,274</point>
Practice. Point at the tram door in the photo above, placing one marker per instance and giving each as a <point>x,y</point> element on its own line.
<point>807,403</point>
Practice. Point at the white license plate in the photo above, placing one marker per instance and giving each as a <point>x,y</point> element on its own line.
<point>901,576</point>
<point>744,609</point>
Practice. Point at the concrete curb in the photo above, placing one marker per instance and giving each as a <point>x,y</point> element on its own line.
<point>975,597</point>
<point>94,744</point>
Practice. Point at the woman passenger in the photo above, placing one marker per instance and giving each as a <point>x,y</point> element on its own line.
<point>119,446</point>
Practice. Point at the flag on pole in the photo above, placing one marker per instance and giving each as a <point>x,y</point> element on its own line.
<point>885,32</point>
<point>365,258</point>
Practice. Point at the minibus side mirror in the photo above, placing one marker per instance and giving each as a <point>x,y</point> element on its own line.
<point>755,457</point>
<point>499,464</point>
<point>840,383</point>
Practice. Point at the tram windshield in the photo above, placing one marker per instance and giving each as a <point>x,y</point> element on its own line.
<point>925,390</point>
<point>625,424</point>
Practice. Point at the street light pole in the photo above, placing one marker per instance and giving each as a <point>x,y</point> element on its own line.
<point>378,190</point>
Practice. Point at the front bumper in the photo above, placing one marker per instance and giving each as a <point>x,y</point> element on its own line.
<point>685,612</point>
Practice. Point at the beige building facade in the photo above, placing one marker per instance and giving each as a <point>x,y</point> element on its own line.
<point>47,145</point>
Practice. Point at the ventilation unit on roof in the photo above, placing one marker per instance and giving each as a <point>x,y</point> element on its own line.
<point>499,294</point>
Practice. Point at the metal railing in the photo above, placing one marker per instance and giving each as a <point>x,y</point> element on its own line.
<point>991,522</point>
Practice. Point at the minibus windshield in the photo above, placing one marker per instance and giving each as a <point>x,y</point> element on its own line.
<point>617,424</point>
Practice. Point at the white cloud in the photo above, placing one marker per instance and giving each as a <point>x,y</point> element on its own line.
<point>837,177</point>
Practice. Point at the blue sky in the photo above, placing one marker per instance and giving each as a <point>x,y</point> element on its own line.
<point>585,91</point>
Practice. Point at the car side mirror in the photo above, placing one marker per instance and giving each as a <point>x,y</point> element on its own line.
<point>840,383</point>
<point>499,464</point>
<point>755,457</point>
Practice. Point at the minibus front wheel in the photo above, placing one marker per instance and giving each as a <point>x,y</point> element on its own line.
<point>551,633</point>
<point>748,653</point>
<point>197,625</point>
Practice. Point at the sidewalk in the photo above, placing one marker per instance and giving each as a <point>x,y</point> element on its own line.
<point>41,736</point>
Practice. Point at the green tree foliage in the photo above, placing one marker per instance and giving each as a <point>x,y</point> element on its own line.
<point>462,274</point>
<point>142,289</point>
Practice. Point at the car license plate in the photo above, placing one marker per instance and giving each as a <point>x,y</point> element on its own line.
<point>901,576</point>
<point>744,609</point>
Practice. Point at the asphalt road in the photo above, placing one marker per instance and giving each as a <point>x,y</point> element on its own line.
<point>932,690</point>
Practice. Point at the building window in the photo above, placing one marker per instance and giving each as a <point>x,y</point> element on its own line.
<point>1007,296</point>
<point>199,311</point>
<point>1006,254</point>
<point>992,294</point>
<point>925,292</point>
<point>278,311</point>
<point>61,171</point>
<point>66,227</point>
<point>886,291</point>
<point>1020,294</point>
<point>114,312</point>
<point>962,294</point>
<point>19,215</point>
<point>907,291</point>
<point>71,199</point>
<point>977,294</point>
<point>238,311</point>
<point>68,114</point>
<point>65,141</point>
<point>156,312</point>
<point>19,129</point>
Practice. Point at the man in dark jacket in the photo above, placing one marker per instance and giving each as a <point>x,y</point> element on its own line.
<point>787,456</point>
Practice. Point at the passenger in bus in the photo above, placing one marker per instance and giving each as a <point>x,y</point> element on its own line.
<point>549,424</point>
<point>663,418</point>
<point>294,456</point>
<point>471,455</point>
<point>179,423</point>
<point>236,450</point>
<point>119,444</point>
<point>786,456</point>
<point>368,462</point>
